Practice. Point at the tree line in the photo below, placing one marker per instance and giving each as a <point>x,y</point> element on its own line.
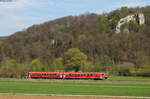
<point>86,43</point>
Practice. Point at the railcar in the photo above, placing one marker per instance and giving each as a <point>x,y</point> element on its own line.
<point>82,75</point>
<point>67,75</point>
<point>46,75</point>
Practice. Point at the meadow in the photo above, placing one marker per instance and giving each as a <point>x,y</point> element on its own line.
<point>129,78</point>
<point>111,87</point>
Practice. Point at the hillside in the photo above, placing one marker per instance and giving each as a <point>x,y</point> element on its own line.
<point>92,34</point>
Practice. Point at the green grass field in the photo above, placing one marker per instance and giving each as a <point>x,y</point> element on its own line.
<point>68,87</point>
<point>128,78</point>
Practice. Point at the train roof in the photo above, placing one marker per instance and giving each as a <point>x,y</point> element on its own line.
<point>71,72</point>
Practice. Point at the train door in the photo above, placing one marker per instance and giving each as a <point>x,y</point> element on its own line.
<point>63,76</point>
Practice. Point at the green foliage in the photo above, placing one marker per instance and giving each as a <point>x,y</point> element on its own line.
<point>141,59</point>
<point>98,68</point>
<point>11,68</point>
<point>88,67</point>
<point>116,15</point>
<point>103,23</point>
<point>74,59</point>
<point>133,26</point>
<point>58,64</point>
<point>145,71</point>
<point>125,69</point>
<point>36,65</point>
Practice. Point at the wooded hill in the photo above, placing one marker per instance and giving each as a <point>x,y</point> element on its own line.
<point>80,43</point>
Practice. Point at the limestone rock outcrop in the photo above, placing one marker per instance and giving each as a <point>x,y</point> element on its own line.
<point>137,17</point>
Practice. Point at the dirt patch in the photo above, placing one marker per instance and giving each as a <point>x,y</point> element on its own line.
<point>7,96</point>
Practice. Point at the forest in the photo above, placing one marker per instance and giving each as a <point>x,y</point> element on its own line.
<point>85,43</point>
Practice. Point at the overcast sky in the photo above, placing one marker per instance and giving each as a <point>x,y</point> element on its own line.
<point>20,14</point>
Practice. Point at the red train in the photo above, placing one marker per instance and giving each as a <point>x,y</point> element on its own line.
<point>67,75</point>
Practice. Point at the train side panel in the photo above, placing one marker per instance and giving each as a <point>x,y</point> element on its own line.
<point>56,75</point>
<point>67,75</point>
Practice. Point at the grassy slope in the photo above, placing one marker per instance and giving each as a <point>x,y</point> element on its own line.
<point>75,88</point>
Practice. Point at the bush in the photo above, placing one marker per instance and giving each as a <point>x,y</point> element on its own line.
<point>11,68</point>
<point>36,65</point>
